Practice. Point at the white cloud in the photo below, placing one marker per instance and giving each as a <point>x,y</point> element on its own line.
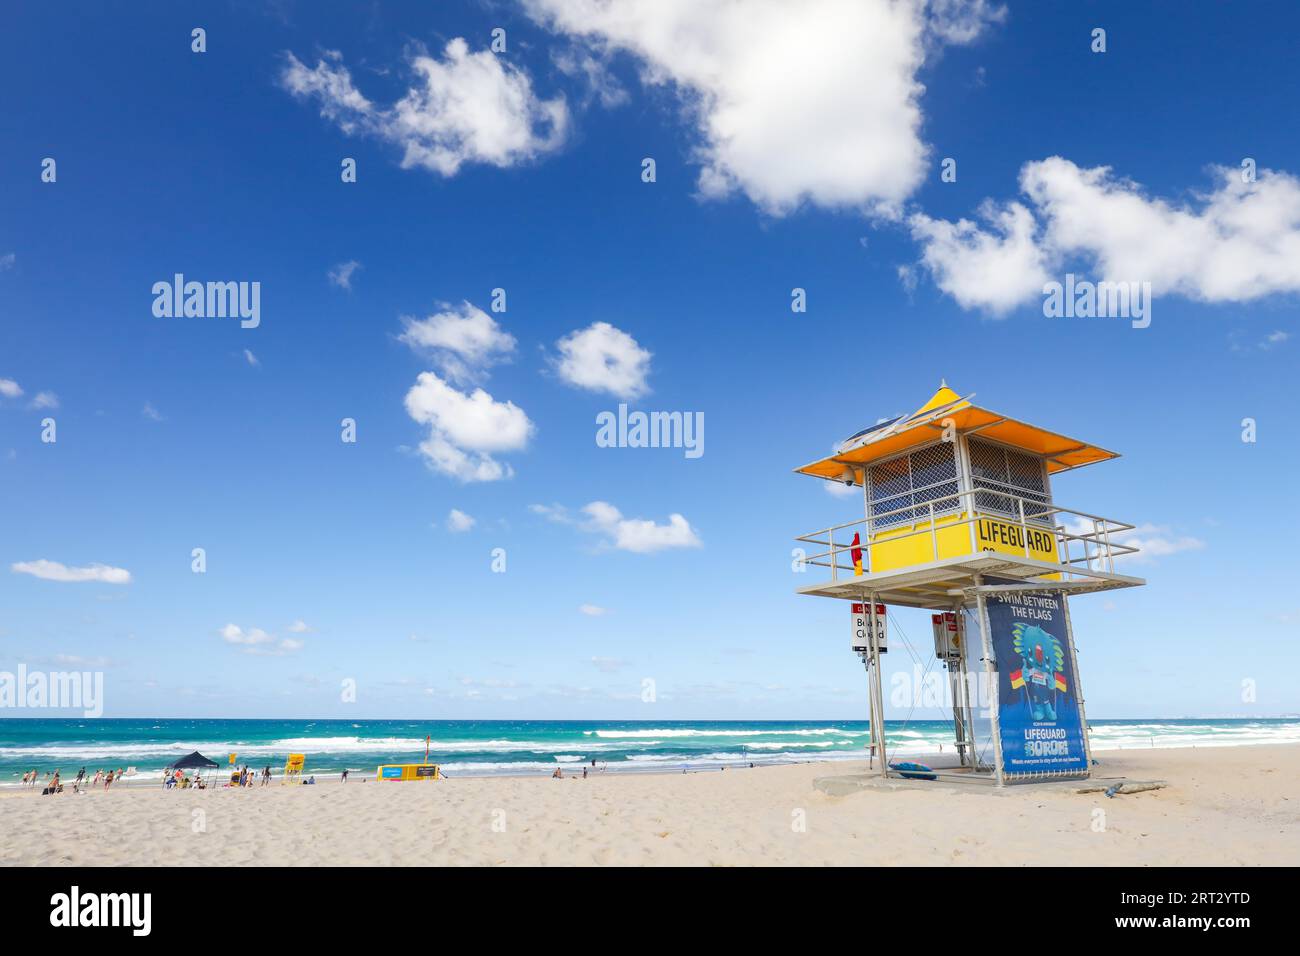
<point>45,400</point>
<point>593,71</point>
<point>463,108</point>
<point>466,429</point>
<point>601,358</point>
<point>10,389</point>
<point>627,534</point>
<point>341,274</point>
<point>1238,243</point>
<point>463,340</point>
<point>259,642</point>
<point>457,520</point>
<point>995,269</point>
<point>7,261</point>
<point>1151,540</point>
<point>592,610</point>
<point>54,571</point>
<point>556,513</point>
<point>1157,541</point>
<point>299,627</point>
<point>816,101</point>
<point>608,665</point>
<point>251,359</point>
<point>838,489</point>
<point>638,534</point>
<point>151,413</point>
<point>1269,341</point>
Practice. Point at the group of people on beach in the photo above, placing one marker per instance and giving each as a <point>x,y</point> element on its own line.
<point>54,783</point>
<point>244,777</point>
<point>179,778</point>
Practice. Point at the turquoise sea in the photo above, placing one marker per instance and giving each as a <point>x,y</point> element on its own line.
<point>491,747</point>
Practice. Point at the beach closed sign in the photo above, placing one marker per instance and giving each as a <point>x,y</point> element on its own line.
<point>862,625</point>
<point>1038,695</point>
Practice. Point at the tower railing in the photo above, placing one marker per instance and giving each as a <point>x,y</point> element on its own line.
<point>1083,540</point>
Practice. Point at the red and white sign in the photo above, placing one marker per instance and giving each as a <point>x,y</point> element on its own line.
<point>947,635</point>
<point>861,625</point>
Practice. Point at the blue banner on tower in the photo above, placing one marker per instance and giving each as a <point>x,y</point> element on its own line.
<point>1038,703</point>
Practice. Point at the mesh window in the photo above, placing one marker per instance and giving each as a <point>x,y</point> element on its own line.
<point>891,489</point>
<point>908,484</point>
<point>1000,474</point>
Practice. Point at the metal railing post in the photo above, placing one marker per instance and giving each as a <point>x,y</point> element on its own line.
<point>1024,528</point>
<point>934,536</point>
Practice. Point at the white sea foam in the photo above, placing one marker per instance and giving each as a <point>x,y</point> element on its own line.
<point>694,732</point>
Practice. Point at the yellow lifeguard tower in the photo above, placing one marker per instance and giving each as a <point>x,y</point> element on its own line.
<point>959,518</point>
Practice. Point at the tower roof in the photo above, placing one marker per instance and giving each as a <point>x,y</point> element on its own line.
<point>927,423</point>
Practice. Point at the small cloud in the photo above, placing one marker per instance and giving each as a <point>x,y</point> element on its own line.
<point>7,261</point>
<point>10,389</point>
<point>592,610</point>
<point>341,274</point>
<point>54,571</point>
<point>258,642</point>
<point>461,107</point>
<point>151,413</point>
<point>299,627</point>
<point>251,358</point>
<point>466,429</point>
<point>1242,342</point>
<point>639,534</point>
<point>837,489</point>
<point>601,358</point>
<point>1158,541</point>
<point>557,513</point>
<point>463,340</point>
<point>608,665</point>
<point>1151,540</point>
<point>45,400</point>
<point>458,521</point>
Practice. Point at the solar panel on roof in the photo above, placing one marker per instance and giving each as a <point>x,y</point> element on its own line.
<point>867,431</point>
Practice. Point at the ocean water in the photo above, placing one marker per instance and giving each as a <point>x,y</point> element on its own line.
<point>491,747</point>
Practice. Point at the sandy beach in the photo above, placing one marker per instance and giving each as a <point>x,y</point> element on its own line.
<point>1223,806</point>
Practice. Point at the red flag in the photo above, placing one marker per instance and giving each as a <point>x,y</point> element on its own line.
<point>856,554</point>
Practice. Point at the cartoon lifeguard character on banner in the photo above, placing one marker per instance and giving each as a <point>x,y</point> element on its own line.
<point>1041,670</point>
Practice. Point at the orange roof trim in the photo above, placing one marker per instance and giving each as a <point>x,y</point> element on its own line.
<point>927,424</point>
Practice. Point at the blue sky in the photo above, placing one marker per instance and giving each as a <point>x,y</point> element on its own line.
<point>790,152</point>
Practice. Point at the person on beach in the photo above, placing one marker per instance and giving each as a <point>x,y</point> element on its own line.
<point>108,780</point>
<point>81,775</point>
<point>345,774</point>
<point>266,775</point>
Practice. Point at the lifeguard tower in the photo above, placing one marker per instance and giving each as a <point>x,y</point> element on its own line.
<point>960,518</point>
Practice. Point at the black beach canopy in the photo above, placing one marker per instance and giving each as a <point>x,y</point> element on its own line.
<point>195,760</point>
